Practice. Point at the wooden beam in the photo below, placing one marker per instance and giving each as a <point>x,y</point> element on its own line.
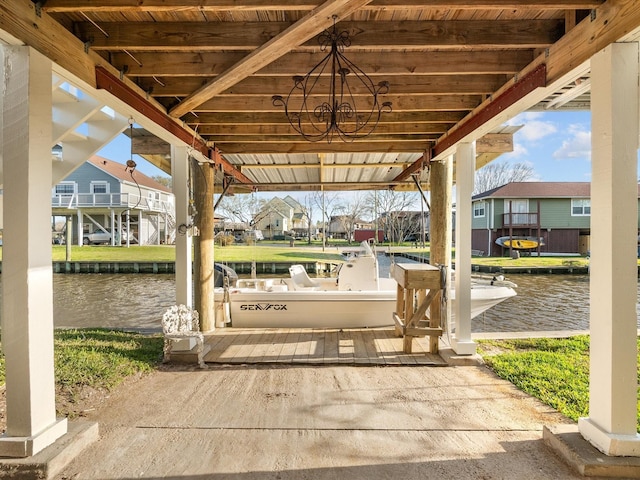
<point>105,80</point>
<point>399,85</point>
<point>286,129</point>
<point>20,19</point>
<point>295,138</point>
<point>434,103</point>
<point>495,143</point>
<point>310,25</point>
<point>271,40</point>
<point>68,6</point>
<point>323,147</point>
<point>277,118</point>
<point>207,64</point>
<point>608,23</point>
<point>149,145</point>
<point>296,166</point>
<point>525,85</point>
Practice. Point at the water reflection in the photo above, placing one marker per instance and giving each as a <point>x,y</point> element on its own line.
<point>544,302</point>
<point>112,300</point>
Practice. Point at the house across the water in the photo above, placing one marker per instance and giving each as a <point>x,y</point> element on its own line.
<point>110,203</point>
<point>557,212</point>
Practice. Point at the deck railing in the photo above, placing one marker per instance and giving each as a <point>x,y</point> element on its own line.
<point>110,200</point>
<point>520,219</point>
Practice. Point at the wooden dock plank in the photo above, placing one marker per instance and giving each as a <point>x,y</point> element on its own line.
<point>289,347</point>
<point>345,347</point>
<point>316,350</point>
<point>377,346</point>
<point>331,346</point>
<point>277,340</point>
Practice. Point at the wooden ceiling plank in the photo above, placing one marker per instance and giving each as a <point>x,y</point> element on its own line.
<point>399,85</point>
<point>319,165</point>
<point>271,40</point>
<point>286,129</point>
<point>20,20</point>
<point>608,23</point>
<point>206,64</point>
<point>66,6</point>
<point>310,25</point>
<point>297,138</point>
<point>417,103</point>
<point>275,118</point>
<point>322,147</point>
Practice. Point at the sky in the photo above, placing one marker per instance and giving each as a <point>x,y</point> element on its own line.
<point>557,145</point>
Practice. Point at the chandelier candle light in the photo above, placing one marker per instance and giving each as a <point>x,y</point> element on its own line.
<point>352,110</point>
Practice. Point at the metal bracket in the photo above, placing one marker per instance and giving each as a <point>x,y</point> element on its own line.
<point>87,46</point>
<point>593,15</point>
<point>38,6</point>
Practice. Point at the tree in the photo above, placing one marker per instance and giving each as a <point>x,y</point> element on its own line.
<point>162,180</point>
<point>328,203</point>
<point>390,209</point>
<point>496,174</point>
<point>351,214</point>
<point>307,212</point>
<point>239,208</point>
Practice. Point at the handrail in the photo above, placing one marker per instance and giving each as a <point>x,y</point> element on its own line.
<point>110,200</point>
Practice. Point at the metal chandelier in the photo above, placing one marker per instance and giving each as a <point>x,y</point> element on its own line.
<point>352,109</point>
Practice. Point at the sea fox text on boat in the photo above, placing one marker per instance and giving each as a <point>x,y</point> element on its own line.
<point>263,306</point>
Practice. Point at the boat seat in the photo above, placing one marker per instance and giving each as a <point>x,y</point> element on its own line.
<point>300,280</point>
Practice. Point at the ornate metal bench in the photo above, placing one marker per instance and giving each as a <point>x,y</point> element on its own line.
<point>180,322</point>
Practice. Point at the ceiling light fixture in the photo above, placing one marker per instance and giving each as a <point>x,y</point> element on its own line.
<point>352,109</point>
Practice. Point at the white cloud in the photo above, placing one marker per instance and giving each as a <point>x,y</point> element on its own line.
<point>578,145</point>
<point>534,126</point>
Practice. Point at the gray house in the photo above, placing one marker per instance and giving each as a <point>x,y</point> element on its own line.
<point>105,198</point>
<point>559,212</point>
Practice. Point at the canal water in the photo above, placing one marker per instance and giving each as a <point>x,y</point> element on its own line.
<point>544,302</point>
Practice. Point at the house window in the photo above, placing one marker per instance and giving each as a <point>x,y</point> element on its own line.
<point>99,187</point>
<point>66,188</point>
<point>580,207</point>
<point>478,209</point>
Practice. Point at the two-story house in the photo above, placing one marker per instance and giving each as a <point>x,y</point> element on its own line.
<point>558,212</point>
<point>105,197</point>
<point>280,216</point>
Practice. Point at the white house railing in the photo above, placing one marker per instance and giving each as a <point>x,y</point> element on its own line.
<point>110,200</point>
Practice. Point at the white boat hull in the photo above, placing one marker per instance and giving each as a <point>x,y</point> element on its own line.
<point>317,309</point>
<point>357,298</point>
<point>253,308</point>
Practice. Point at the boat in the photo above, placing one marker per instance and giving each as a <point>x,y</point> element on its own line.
<point>520,243</point>
<point>356,298</point>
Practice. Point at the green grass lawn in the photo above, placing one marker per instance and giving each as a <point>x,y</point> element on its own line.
<point>278,252</point>
<point>556,371</point>
<point>89,363</point>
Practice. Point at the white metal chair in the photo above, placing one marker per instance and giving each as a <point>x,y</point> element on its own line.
<point>180,322</point>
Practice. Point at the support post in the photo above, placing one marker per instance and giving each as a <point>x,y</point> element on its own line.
<point>79,227</point>
<point>180,175</point>
<point>205,281</point>
<point>27,274</point>
<point>441,178</point>
<point>465,169</point>
<point>611,424</point>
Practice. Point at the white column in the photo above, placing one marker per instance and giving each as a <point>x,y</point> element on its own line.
<point>79,226</point>
<point>112,229</point>
<point>465,168</point>
<point>27,276</point>
<point>611,425</point>
<point>184,241</point>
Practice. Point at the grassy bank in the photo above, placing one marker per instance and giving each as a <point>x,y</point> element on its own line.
<point>556,371</point>
<point>280,252</point>
<point>89,363</point>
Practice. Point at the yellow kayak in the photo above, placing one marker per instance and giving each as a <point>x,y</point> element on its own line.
<point>519,243</point>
